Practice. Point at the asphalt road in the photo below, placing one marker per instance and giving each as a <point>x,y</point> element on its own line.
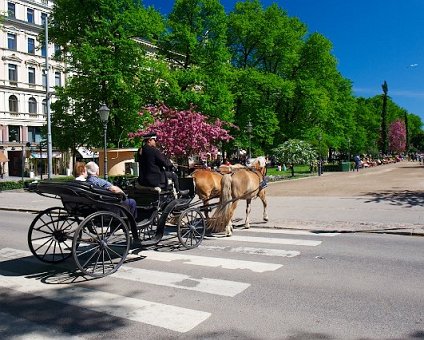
<point>258,284</point>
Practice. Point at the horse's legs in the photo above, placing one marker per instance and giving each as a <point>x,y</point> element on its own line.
<point>229,226</point>
<point>248,208</point>
<point>205,208</point>
<point>265,204</point>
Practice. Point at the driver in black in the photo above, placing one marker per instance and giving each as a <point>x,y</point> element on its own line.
<point>154,167</point>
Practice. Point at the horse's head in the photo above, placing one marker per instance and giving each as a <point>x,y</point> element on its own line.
<point>259,164</point>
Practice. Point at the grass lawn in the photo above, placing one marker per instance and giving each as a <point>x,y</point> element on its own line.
<point>299,171</point>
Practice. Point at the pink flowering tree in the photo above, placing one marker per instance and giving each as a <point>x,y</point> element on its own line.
<point>397,136</point>
<point>184,133</point>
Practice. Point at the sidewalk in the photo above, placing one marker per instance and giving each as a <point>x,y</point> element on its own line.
<point>384,199</point>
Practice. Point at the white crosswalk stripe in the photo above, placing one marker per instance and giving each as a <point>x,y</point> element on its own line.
<point>175,280</point>
<point>269,240</point>
<point>290,232</point>
<point>255,251</point>
<point>258,267</point>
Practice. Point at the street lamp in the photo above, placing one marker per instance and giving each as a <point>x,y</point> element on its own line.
<point>348,151</point>
<point>104,117</point>
<point>320,156</point>
<point>249,130</point>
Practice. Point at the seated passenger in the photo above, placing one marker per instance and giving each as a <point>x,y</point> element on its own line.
<point>80,171</point>
<point>93,173</point>
<point>154,167</point>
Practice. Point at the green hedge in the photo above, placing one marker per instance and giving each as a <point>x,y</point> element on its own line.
<point>337,167</point>
<point>13,185</point>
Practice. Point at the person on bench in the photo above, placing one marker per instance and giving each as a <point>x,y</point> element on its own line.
<point>154,167</point>
<point>93,173</point>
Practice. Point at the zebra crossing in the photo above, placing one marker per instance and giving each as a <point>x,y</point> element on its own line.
<point>170,317</point>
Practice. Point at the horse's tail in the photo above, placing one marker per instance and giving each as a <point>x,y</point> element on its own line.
<point>222,214</point>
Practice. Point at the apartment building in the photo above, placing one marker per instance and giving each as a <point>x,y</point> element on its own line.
<point>23,92</point>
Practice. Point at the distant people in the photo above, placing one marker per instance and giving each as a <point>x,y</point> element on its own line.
<point>357,161</point>
<point>154,168</point>
<point>93,173</point>
<point>80,172</point>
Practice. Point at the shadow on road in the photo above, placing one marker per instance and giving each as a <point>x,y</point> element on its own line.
<point>407,198</point>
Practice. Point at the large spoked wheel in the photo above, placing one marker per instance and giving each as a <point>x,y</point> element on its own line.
<point>191,228</point>
<point>101,244</point>
<point>149,231</point>
<point>50,235</point>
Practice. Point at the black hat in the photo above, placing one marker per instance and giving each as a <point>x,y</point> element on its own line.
<point>151,135</point>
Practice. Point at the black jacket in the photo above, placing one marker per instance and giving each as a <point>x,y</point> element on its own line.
<point>152,166</point>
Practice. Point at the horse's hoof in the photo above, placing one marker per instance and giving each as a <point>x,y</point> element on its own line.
<point>266,219</point>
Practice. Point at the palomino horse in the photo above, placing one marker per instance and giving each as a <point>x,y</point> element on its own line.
<point>207,184</point>
<point>243,184</point>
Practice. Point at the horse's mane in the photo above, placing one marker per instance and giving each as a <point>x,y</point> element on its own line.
<point>258,161</point>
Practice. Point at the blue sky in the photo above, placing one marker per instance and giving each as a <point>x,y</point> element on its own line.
<point>373,41</point>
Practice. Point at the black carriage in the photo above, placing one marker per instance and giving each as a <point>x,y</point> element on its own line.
<point>97,229</point>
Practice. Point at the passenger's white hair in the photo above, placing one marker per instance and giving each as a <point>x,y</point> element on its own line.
<point>92,168</point>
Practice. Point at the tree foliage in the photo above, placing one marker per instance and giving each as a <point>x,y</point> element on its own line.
<point>295,151</point>
<point>234,67</point>
<point>397,136</point>
<point>184,133</point>
<point>106,63</point>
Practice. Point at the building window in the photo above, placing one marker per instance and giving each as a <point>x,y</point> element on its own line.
<point>34,134</point>
<point>13,72</point>
<point>32,105</point>
<point>14,133</point>
<point>43,50</point>
<point>56,50</point>
<point>31,45</point>
<point>44,78</point>
<point>31,75</point>
<point>11,41</point>
<point>30,15</point>
<point>43,18</point>
<point>13,103</point>
<point>57,79</point>
<point>44,105</point>
<point>11,10</point>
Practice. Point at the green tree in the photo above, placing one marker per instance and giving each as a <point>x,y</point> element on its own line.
<point>295,152</point>
<point>195,42</point>
<point>98,40</point>
<point>256,93</point>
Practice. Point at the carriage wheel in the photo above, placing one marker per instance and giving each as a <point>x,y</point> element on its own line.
<point>148,233</point>
<point>191,228</point>
<point>50,235</point>
<point>101,244</point>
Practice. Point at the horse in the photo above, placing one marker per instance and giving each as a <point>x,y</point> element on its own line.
<point>207,185</point>
<point>242,184</point>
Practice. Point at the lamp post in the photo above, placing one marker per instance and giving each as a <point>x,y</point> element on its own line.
<point>348,151</point>
<point>104,117</point>
<point>320,158</point>
<point>249,130</point>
